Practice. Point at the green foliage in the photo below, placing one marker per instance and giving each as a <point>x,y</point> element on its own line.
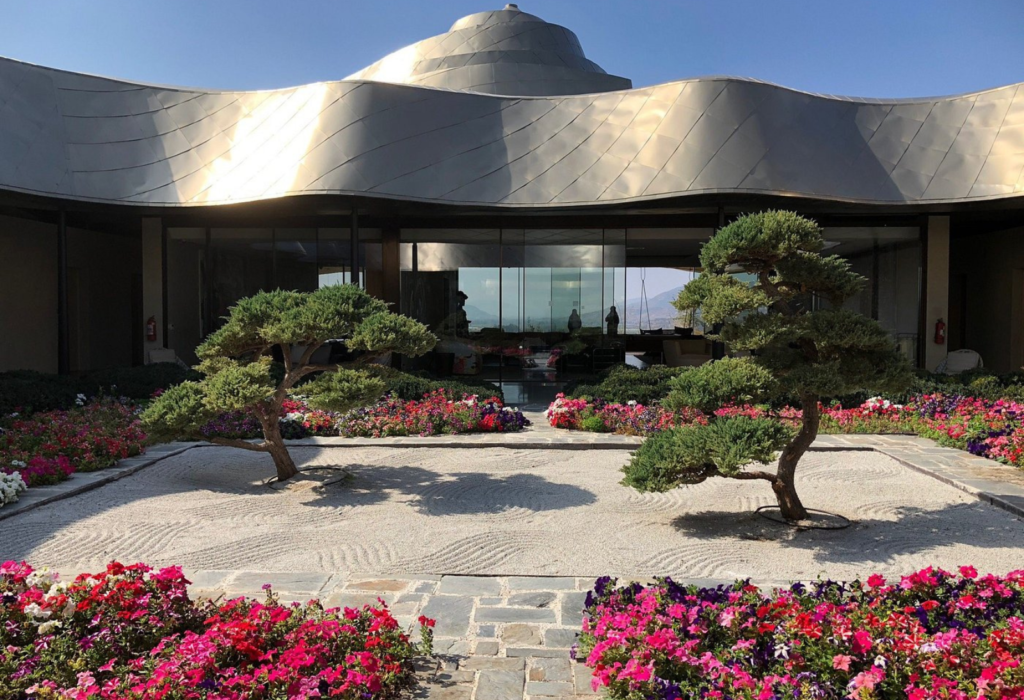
<point>388,332</point>
<point>239,374</point>
<point>27,391</point>
<point>181,410</point>
<point>693,453</point>
<point>757,242</point>
<point>715,384</point>
<point>622,384</point>
<point>593,424</point>
<point>411,387</point>
<point>343,390</point>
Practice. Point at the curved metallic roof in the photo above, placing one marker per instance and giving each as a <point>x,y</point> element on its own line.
<point>83,137</point>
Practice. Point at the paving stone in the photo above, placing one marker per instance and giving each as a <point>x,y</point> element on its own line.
<point>207,578</point>
<point>486,647</point>
<point>549,669</point>
<point>538,599</point>
<point>562,637</point>
<point>536,651</point>
<point>520,635</point>
<point>470,585</point>
<point>444,691</point>
<point>380,584</point>
<point>572,608</point>
<point>341,599</point>
<point>409,598</point>
<point>486,630</point>
<point>457,676</point>
<point>502,663</point>
<point>293,583</point>
<point>582,680</point>
<point>452,614</point>
<point>484,614</point>
<point>541,583</point>
<point>424,587</point>
<point>492,601</point>
<point>499,685</point>
<point>550,689</point>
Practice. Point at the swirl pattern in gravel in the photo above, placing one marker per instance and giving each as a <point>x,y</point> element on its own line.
<point>486,511</point>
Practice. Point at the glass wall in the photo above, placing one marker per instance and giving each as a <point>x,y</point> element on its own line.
<point>209,269</point>
<point>890,258</point>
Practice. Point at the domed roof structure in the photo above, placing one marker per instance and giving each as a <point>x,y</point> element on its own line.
<point>524,120</point>
<point>505,52</point>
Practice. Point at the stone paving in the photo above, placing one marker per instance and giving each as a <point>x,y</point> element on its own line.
<point>497,638</point>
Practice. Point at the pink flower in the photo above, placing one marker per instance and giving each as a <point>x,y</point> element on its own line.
<point>968,572</point>
<point>841,662</point>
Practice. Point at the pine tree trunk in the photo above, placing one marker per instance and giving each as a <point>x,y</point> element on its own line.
<point>286,468</point>
<point>784,485</point>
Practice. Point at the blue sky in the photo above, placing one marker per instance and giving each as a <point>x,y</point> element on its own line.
<point>897,48</point>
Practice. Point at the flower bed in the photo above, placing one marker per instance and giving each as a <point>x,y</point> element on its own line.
<point>48,447</point>
<point>132,633</point>
<point>988,428</point>
<point>436,414</point>
<point>930,635</point>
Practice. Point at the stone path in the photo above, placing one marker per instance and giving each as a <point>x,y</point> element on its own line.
<point>497,638</point>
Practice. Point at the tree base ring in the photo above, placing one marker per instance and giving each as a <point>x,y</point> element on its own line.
<point>274,484</point>
<point>842,521</point>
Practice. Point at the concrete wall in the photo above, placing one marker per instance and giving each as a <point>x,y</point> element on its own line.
<point>993,270</point>
<point>28,295</point>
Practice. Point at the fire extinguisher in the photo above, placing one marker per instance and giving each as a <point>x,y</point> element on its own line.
<point>151,329</point>
<point>940,332</point>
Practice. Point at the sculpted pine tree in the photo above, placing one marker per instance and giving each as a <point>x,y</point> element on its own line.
<point>760,277</point>
<point>240,374</point>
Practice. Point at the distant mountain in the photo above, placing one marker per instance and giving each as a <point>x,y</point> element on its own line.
<point>658,307</point>
<point>662,314</point>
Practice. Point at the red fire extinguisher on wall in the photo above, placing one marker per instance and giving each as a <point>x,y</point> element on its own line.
<point>151,329</point>
<point>940,332</point>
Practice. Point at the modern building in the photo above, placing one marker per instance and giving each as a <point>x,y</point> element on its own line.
<point>496,184</point>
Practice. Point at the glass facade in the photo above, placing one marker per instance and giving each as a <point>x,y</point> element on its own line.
<point>529,308</point>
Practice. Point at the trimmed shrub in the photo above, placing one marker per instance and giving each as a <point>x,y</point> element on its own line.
<point>623,384</point>
<point>413,387</point>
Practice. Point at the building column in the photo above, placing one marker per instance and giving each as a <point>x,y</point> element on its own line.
<point>391,267</point>
<point>63,324</point>
<point>153,282</point>
<point>936,288</point>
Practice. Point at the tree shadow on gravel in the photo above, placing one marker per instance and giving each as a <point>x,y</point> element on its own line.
<point>913,530</point>
<point>465,493</point>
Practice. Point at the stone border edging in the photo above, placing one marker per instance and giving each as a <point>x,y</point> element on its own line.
<point>80,482</point>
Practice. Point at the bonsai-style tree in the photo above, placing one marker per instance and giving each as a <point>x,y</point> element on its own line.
<point>765,281</point>
<point>240,374</point>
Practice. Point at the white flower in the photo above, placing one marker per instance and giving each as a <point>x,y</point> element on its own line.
<point>40,578</point>
<point>928,648</point>
<point>80,400</point>
<point>782,651</point>
<point>48,625</point>
<point>33,610</point>
<point>18,463</point>
<point>880,661</point>
<point>11,486</point>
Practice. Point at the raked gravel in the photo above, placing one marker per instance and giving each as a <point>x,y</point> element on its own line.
<point>508,511</point>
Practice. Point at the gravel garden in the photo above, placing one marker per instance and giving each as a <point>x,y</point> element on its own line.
<point>907,573</point>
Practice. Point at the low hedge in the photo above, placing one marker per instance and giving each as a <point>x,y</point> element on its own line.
<point>26,391</point>
<point>412,387</point>
<point>622,384</point>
